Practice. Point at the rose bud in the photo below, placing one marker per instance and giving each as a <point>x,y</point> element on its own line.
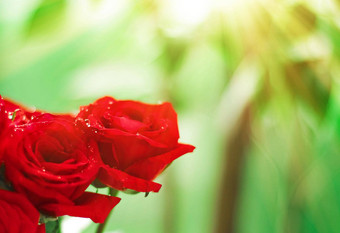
<point>136,141</point>
<point>47,160</point>
<point>18,214</point>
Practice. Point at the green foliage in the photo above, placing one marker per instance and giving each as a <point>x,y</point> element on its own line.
<point>46,17</point>
<point>53,227</point>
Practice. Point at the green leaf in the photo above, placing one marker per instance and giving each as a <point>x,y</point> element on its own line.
<point>48,16</point>
<point>53,227</point>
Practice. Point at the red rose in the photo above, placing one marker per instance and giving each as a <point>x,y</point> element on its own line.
<point>136,141</point>
<point>13,114</point>
<point>47,160</point>
<point>17,214</point>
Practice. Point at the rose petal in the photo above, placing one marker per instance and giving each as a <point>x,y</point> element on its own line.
<point>149,168</point>
<point>89,205</point>
<point>35,192</point>
<point>41,228</point>
<point>111,134</point>
<point>17,214</point>
<point>120,180</point>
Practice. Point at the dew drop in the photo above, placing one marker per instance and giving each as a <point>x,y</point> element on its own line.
<point>18,130</point>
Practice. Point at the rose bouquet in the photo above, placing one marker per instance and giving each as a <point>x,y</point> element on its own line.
<point>47,161</point>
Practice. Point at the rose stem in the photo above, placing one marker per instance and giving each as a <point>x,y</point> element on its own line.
<point>101,226</point>
<point>231,174</point>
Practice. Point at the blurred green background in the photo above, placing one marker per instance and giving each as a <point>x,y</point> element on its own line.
<point>255,84</point>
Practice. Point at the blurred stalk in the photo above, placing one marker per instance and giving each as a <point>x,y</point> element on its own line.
<point>170,60</point>
<point>170,207</point>
<point>101,226</point>
<point>300,162</point>
<point>232,171</point>
<point>293,218</point>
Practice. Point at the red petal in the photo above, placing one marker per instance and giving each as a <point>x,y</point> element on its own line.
<point>19,214</point>
<point>41,229</point>
<point>120,180</point>
<point>151,167</point>
<point>89,205</point>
